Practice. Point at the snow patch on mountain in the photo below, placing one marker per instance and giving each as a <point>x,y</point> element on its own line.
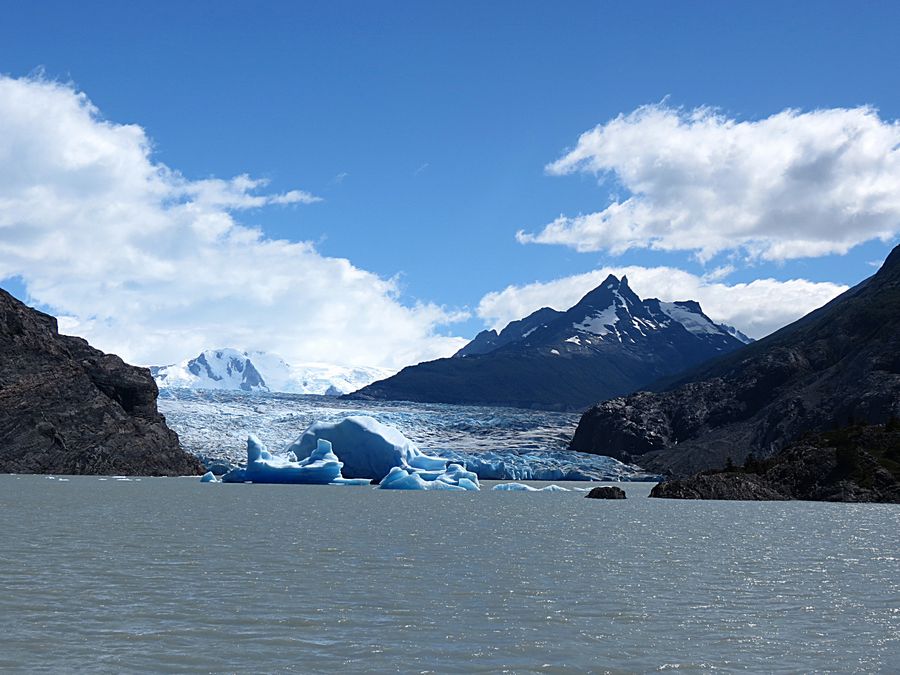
<point>601,323</point>
<point>735,333</point>
<point>691,317</point>
<point>252,371</point>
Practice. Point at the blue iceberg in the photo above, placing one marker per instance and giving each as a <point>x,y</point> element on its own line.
<point>360,446</point>
<point>209,477</point>
<point>367,448</point>
<point>454,477</point>
<point>321,467</point>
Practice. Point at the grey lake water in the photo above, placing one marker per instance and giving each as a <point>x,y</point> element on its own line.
<point>171,575</point>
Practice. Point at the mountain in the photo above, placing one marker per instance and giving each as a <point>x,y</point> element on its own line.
<point>68,408</point>
<point>261,371</point>
<point>610,343</point>
<point>839,364</point>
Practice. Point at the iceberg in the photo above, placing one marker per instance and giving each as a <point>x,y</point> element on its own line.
<point>209,477</point>
<point>454,478</point>
<point>321,467</point>
<point>521,487</point>
<point>367,448</point>
<point>370,447</point>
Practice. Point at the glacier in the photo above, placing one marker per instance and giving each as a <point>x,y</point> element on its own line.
<point>508,444</point>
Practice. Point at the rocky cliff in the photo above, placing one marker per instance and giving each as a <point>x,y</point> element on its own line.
<point>68,408</point>
<point>858,464</point>
<point>841,363</point>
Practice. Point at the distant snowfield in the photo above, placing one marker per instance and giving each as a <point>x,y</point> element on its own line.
<point>235,370</point>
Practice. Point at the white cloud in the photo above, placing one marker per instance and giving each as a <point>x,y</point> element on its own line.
<point>153,266</point>
<point>795,184</point>
<point>757,308</point>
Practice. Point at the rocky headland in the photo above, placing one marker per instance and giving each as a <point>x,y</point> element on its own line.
<point>68,408</point>
<point>856,464</point>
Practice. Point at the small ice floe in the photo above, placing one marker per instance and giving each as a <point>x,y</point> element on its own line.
<point>209,477</point>
<point>521,487</point>
<point>454,478</point>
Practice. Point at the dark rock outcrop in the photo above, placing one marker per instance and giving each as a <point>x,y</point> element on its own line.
<point>841,363</point>
<point>858,464</point>
<point>68,408</point>
<point>606,492</point>
<point>611,343</point>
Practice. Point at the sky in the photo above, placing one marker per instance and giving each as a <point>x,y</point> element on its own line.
<point>372,183</point>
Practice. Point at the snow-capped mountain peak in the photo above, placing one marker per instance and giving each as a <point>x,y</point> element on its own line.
<point>251,371</point>
<point>610,313</point>
<point>609,343</point>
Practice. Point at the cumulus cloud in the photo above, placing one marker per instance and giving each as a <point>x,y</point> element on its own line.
<point>757,308</point>
<point>792,185</point>
<point>151,265</point>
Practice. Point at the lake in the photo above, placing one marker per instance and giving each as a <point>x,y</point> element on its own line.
<point>171,575</point>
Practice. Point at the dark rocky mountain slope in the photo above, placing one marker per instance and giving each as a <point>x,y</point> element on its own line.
<point>838,364</point>
<point>610,343</point>
<point>68,408</point>
<point>856,464</point>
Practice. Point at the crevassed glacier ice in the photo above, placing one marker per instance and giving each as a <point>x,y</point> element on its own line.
<point>367,448</point>
<point>496,443</point>
<point>320,467</point>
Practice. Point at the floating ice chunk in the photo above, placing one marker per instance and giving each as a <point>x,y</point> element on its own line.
<point>351,481</point>
<point>402,479</point>
<point>367,448</point>
<point>456,473</point>
<point>237,475</point>
<point>209,477</point>
<point>521,487</point>
<point>320,467</point>
<point>468,484</point>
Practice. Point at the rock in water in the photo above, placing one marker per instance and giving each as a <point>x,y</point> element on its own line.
<point>606,492</point>
<point>725,486</point>
<point>68,408</point>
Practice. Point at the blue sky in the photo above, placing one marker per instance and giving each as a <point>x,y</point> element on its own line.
<point>425,128</point>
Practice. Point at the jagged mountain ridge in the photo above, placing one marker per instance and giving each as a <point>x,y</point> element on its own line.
<point>251,371</point>
<point>610,343</point>
<point>838,364</point>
